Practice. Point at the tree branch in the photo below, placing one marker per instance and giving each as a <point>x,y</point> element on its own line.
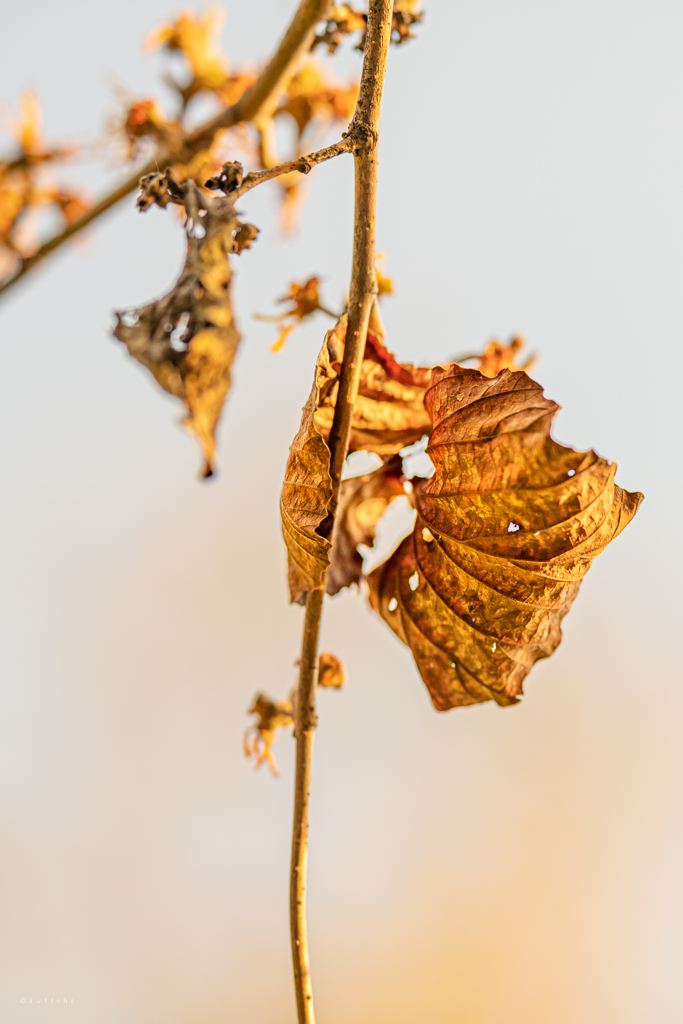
<point>365,134</point>
<point>260,99</point>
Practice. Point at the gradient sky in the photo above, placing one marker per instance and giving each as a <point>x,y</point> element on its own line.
<point>485,866</point>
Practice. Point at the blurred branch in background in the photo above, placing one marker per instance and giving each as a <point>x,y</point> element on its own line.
<point>172,145</point>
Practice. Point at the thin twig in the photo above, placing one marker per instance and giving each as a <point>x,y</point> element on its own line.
<point>365,133</point>
<point>260,99</point>
<point>303,164</point>
<point>305,721</point>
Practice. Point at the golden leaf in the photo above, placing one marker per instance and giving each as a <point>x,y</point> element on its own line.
<point>234,87</point>
<point>497,356</point>
<point>363,500</point>
<point>196,38</point>
<point>28,128</point>
<point>507,527</point>
<point>303,301</point>
<point>312,96</point>
<point>314,101</point>
<point>24,188</point>
<point>144,119</point>
<point>385,285</point>
<point>188,338</point>
<point>331,672</point>
<point>71,204</point>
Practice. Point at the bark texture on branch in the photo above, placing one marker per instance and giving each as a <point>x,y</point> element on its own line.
<point>364,133</point>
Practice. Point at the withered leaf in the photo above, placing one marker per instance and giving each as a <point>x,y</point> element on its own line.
<point>314,102</point>
<point>312,96</point>
<point>188,338</point>
<point>341,21</point>
<point>498,356</point>
<point>331,672</point>
<point>25,188</point>
<point>405,15</point>
<point>303,301</point>
<point>363,500</point>
<point>258,738</point>
<point>307,492</point>
<point>196,38</point>
<point>389,413</point>
<point>506,528</point>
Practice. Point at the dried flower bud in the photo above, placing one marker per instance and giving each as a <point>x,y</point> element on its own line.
<point>331,672</point>
<point>229,178</point>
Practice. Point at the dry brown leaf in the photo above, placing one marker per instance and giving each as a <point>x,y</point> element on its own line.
<point>506,529</point>
<point>331,672</point>
<point>363,500</point>
<point>389,413</point>
<point>188,338</point>
<point>258,739</point>
<point>307,492</point>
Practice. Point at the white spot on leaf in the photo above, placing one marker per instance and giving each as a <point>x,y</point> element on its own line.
<point>393,605</point>
<point>513,527</point>
<point>414,581</point>
<point>177,338</point>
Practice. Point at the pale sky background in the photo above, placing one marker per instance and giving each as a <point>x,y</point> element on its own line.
<point>484,866</point>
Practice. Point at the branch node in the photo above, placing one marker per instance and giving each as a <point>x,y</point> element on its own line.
<point>363,136</point>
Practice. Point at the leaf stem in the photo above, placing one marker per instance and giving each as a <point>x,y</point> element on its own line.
<point>259,100</point>
<point>364,132</point>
